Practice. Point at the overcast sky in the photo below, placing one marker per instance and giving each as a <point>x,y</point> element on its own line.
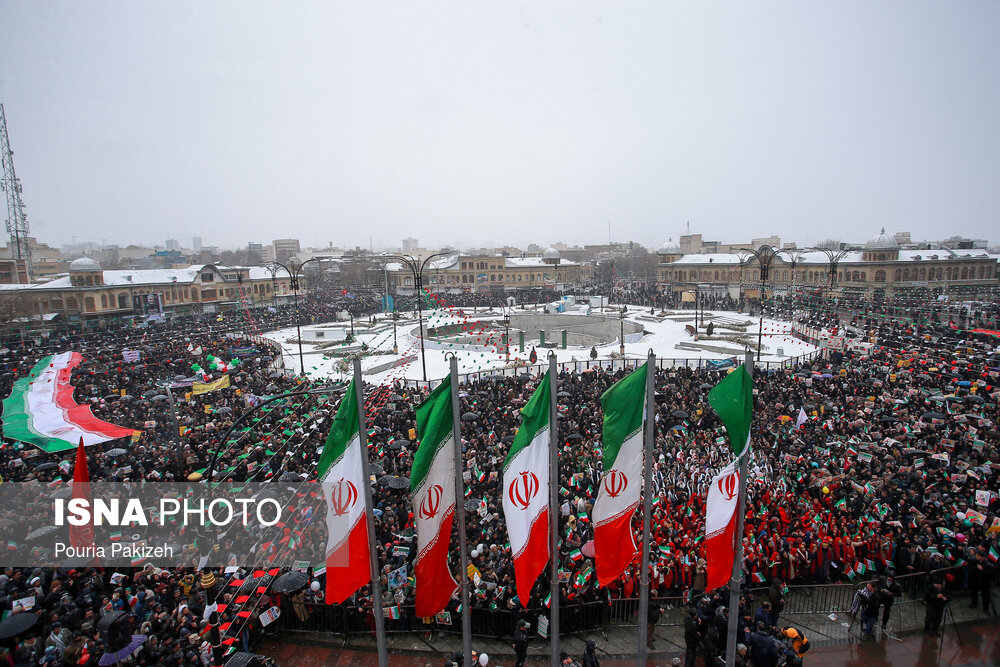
<point>500,122</point>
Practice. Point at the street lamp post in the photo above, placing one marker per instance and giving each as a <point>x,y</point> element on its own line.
<point>765,257</point>
<point>621,332</point>
<point>506,326</point>
<point>417,269</point>
<point>293,274</point>
<point>395,346</point>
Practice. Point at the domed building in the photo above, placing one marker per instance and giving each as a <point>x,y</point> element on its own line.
<point>85,272</point>
<point>669,252</point>
<point>882,248</point>
<point>551,256</point>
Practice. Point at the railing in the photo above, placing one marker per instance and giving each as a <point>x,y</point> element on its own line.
<point>622,612</point>
<point>612,365</point>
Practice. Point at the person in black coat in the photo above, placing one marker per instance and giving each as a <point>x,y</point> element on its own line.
<point>655,611</point>
<point>521,639</point>
<point>692,635</point>
<point>590,655</point>
<point>935,599</point>
<point>980,574</point>
<point>889,590</point>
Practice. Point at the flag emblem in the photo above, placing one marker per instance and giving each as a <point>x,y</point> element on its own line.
<point>432,501</point>
<point>523,489</point>
<point>343,495</point>
<point>615,482</point>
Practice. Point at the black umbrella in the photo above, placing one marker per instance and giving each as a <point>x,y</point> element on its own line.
<point>376,469</point>
<point>471,505</point>
<point>574,436</point>
<point>507,439</point>
<point>470,416</point>
<point>223,411</point>
<point>126,397</point>
<point>399,482</point>
<point>973,398</point>
<point>110,396</point>
<point>40,532</point>
<point>932,415</point>
<point>680,414</point>
<point>16,624</point>
<point>159,397</point>
<point>46,466</point>
<point>563,394</point>
<point>290,581</point>
<point>395,446</point>
<point>117,451</point>
<point>887,418</point>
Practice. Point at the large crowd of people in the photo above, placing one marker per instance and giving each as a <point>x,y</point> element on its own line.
<point>894,471</point>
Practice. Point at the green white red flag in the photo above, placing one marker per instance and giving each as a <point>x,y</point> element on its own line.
<point>623,405</point>
<point>342,477</point>
<point>526,491</point>
<point>432,483</point>
<point>732,398</point>
<point>41,410</point>
<point>720,526</point>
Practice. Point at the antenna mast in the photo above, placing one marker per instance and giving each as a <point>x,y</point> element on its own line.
<point>17,221</point>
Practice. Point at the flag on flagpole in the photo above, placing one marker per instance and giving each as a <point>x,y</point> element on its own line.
<point>623,405</point>
<point>720,526</point>
<point>432,483</point>
<point>526,492</point>
<point>81,537</point>
<point>341,475</point>
<point>733,400</point>
<point>801,419</point>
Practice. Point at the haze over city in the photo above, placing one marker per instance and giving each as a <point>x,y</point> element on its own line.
<point>362,124</point>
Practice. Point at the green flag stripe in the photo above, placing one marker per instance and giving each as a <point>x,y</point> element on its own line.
<point>733,400</point>
<point>622,405</point>
<point>343,430</point>
<point>535,418</point>
<point>435,421</point>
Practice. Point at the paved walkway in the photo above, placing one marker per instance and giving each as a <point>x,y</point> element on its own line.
<point>973,639</point>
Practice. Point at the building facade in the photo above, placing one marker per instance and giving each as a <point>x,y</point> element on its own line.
<point>90,293</point>
<point>879,268</point>
<point>473,273</point>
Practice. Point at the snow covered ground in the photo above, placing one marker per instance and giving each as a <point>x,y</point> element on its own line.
<point>663,336</point>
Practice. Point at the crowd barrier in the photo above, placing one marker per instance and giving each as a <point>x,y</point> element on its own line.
<point>601,616</point>
<point>663,363</point>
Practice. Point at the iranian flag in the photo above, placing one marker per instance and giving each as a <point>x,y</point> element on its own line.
<point>342,478</point>
<point>618,494</point>
<point>41,411</point>
<point>432,483</point>
<point>720,526</point>
<point>526,492</point>
<point>732,398</point>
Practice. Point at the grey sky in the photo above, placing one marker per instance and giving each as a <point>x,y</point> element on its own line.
<point>474,122</point>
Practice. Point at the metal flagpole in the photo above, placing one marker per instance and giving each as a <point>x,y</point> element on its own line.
<point>370,519</point>
<point>554,511</point>
<point>463,546</point>
<point>741,504</point>
<point>647,489</point>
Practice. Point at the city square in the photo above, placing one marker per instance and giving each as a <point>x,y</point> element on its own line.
<point>350,366</point>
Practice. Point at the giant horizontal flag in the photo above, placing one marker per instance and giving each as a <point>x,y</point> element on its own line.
<point>618,495</point>
<point>526,492</point>
<point>41,411</point>
<point>433,485</point>
<point>342,477</point>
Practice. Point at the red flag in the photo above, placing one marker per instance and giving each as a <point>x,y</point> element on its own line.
<point>81,537</point>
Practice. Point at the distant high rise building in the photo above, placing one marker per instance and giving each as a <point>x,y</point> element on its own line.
<point>196,243</point>
<point>285,249</point>
<point>173,244</point>
<point>256,247</point>
<point>409,245</point>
